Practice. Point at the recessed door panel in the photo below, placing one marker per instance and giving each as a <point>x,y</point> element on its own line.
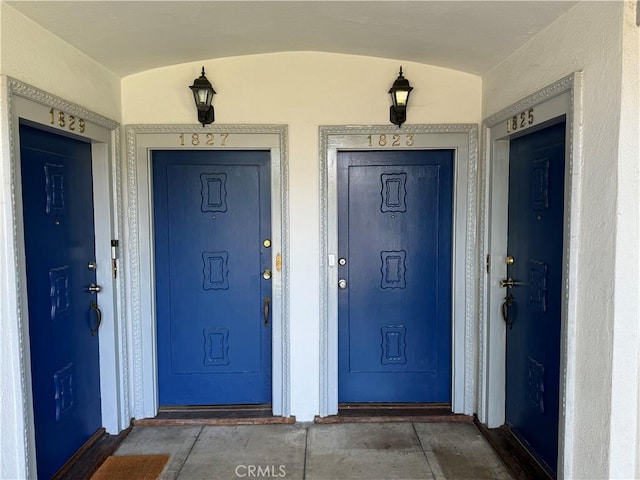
<point>535,238</point>
<point>212,216</point>
<point>395,218</point>
<point>57,194</point>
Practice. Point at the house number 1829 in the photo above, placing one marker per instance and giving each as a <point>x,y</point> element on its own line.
<point>64,120</point>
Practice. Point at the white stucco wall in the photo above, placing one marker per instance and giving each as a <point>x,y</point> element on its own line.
<point>589,38</point>
<point>303,90</point>
<point>35,56</point>
<point>12,457</point>
<point>624,447</point>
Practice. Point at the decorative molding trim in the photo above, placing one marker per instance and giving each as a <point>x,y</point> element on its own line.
<point>34,94</point>
<point>134,299</point>
<point>558,88</point>
<point>330,130</point>
<point>324,270</point>
<point>330,136</point>
<point>471,283</point>
<point>16,88</point>
<point>213,128</point>
<point>284,199</point>
<point>14,85</point>
<point>132,257</point>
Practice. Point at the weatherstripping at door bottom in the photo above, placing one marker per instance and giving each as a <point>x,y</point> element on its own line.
<point>394,412</point>
<point>215,415</point>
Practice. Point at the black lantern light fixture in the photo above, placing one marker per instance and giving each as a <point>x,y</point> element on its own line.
<point>400,97</point>
<point>203,94</point>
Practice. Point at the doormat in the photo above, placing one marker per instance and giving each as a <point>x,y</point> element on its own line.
<point>131,467</point>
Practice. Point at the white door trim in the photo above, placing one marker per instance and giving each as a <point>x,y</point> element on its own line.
<point>24,102</point>
<point>141,141</point>
<point>462,138</point>
<point>549,105</point>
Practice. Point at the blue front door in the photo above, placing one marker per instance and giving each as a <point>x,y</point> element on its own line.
<point>535,237</point>
<point>57,198</point>
<point>212,227</point>
<point>394,298</point>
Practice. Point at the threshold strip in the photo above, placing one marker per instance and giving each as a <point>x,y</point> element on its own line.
<point>394,412</point>
<point>215,415</point>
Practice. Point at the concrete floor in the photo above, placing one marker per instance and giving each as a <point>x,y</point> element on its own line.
<point>369,451</point>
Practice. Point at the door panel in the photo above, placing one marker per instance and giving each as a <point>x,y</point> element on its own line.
<point>535,238</point>
<point>212,215</point>
<point>394,231</point>
<point>57,194</point>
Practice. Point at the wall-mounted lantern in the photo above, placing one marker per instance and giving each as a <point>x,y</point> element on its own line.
<point>203,94</point>
<point>400,97</point>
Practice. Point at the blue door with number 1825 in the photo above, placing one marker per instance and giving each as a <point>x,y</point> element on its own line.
<point>534,304</point>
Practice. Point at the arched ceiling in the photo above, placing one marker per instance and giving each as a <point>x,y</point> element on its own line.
<point>129,37</point>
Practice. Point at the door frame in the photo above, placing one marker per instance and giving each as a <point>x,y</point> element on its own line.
<point>141,141</point>
<point>558,101</point>
<point>463,140</point>
<point>21,101</point>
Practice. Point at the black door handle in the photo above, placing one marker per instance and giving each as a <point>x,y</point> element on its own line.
<point>265,310</point>
<point>94,306</point>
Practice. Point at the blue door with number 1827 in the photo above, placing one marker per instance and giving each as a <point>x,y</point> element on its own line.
<point>212,228</point>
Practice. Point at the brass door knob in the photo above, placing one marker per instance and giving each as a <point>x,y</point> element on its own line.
<point>266,274</point>
<point>510,283</point>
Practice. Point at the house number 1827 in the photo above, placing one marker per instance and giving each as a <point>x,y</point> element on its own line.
<point>196,139</point>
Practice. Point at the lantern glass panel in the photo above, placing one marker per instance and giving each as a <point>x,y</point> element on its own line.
<point>400,97</point>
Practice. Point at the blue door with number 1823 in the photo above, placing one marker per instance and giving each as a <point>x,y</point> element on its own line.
<point>395,213</point>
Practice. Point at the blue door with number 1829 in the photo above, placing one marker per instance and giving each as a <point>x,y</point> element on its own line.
<point>57,199</point>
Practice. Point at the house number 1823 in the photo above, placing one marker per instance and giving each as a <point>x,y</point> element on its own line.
<point>395,140</point>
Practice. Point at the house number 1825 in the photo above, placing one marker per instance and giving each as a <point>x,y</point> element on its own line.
<point>520,121</point>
